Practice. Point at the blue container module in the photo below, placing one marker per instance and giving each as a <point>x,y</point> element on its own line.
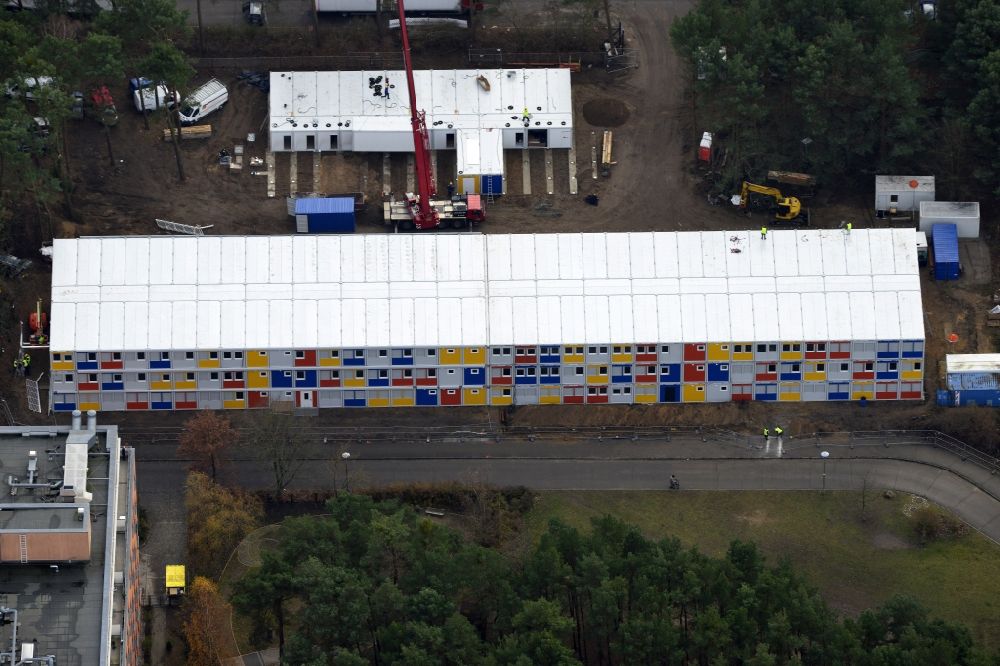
<point>946,263</point>
<point>324,215</point>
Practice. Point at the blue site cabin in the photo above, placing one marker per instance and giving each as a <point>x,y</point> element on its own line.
<point>946,262</point>
<point>331,215</point>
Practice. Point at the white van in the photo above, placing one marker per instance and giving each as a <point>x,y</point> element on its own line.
<point>162,98</point>
<point>210,97</point>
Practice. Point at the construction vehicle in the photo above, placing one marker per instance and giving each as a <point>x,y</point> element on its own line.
<point>421,210</point>
<point>759,197</point>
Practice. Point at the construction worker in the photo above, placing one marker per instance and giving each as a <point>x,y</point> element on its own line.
<point>850,225</point>
<point>767,435</point>
<point>526,115</point>
<point>451,189</point>
<point>763,232</point>
<point>778,431</point>
<point>18,367</point>
<point>26,362</point>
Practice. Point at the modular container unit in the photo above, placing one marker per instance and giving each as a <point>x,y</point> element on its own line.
<point>972,379</point>
<point>315,321</point>
<point>318,215</point>
<point>479,162</point>
<point>947,265</point>
<point>963,214</point>
<point>902,194</point>
<point>477,112</point>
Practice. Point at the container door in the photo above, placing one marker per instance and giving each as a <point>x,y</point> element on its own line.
<point>467,185</point>
<point>302,224</point>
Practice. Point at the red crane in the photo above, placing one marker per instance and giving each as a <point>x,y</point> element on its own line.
<point>424,215</point>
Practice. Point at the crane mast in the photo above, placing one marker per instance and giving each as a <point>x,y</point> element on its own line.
<point>424,215</point>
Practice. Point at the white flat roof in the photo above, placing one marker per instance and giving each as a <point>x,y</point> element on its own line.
<point>357,101</point>
<point>956,209</point>
<point>402,290</point>
<point>972,362</point>
<point>915,183</point>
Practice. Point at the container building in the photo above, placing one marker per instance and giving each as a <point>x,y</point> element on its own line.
<point>464,319</point>
<point>476,112</point>
<point>902,194</point>
<point>972,379</point>
<point>947,264</point>
<point>324,215</point>
<point>963,214</point>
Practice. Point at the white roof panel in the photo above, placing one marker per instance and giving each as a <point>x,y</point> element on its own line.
<point>375,290</point>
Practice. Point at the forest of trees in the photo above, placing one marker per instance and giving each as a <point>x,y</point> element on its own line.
<point>849,88</point>
<point>377,583</point>
<point>137,36</point>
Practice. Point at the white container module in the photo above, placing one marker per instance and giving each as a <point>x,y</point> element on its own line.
<point>902,194</point>
<point>963,214</point>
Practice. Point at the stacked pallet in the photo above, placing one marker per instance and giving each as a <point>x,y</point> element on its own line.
<point>192,132</point>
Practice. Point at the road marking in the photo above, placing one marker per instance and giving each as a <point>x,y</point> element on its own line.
<point>525,171</point>
<point>269,159</point>
<point>410,169</point>
<point>572,167</point>
<point>317,172</point>
<point>549,182</point>
<point>386,174</point>
<point>293,174</point>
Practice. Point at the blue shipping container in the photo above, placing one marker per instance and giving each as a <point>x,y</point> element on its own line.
<point>946,263</point>
<point>325,215</point>
<point>491,184</point>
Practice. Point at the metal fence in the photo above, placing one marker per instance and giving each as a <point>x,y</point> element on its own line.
<point>351,61</point>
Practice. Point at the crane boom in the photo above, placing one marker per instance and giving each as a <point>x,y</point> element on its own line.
<point>424,215</point>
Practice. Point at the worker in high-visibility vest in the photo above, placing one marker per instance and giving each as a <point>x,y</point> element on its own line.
<point>778,431</point>
<point>767,435</point>
<point>18,366</point>
<point>763,232</point>
<point>26,362</point>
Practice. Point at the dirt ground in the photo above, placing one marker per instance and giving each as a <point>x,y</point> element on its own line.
<point>653,186</point>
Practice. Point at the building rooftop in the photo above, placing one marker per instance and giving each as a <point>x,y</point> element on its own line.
<point>972,362</point>
<point>950,208</point>
<point>916,183</point>
<point>377,100</point>
<point>402,290</point>
<point>70,609</point>
<point>61,607</point>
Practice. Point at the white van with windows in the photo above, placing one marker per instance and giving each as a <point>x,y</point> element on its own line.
<point>210,97</point>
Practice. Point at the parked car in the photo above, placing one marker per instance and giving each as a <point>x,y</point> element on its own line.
<point>206,99</point>
<point>102,107</point>
<point>153,97</point>
<point>253,12</point>
<point>28,86</point>
<point>76,109</point>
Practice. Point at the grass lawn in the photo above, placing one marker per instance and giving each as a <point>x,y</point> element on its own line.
<point>855,563</point>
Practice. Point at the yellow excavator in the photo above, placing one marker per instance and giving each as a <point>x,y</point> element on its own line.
<point>761,197</point>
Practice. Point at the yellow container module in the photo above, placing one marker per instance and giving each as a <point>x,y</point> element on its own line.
<point>474,356</point>
<point>208,363</point>
<point>186,385</point>
<point>160,385</point>
<point>402,401</point>
<point>718,351</point>
<point>549,396</point>
<point>378,402</point>
<point>86,406</point>
<point>572,355</point>
<point>474,396</point>
<point>450,356</point>
<point>257,359</point>
<point>864,390</point>
<point>234,404</point>
<point>257,379</point>
<point>742,351</point>
<point>694,393</point>
<point>791,351</point>
<point>643,398</point>
<point>621,354</point>
<point>328,362</point>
